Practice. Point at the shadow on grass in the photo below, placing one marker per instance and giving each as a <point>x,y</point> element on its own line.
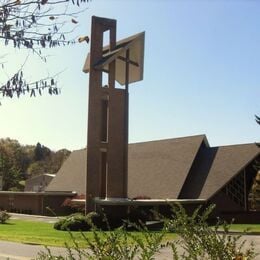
<point>32,244</point>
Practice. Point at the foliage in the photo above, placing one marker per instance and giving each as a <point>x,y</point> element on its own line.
<point>80,222</point>
<point>37,168</point>
<point>56,159</point>
<point>34,25</point>
<point>198,240</point>
<point>115,244</point>
<point>78,207</point>
<point>9,167</point>
<point>41,152</point>
<point>74,222</point>
<point>17,162</point>
<point>4,216</point>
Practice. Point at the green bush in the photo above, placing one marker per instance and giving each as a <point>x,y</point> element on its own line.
<point>197,240</point>
<point>4,216</point>
<point>74,222</point>
<point>79,222</point>
<point>200,240</point>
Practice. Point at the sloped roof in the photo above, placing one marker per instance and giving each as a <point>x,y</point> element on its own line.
<point>228,162</point>
<point>158,169</point>
<point>71,176</point>
<point>214,167</point>
<point>184,168</point>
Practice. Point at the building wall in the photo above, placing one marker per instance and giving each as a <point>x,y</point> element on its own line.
<point>34,203</point>
<point>26,204</point>
<point>249,217</point>
<point>224,203</point>
<point>55,203</point>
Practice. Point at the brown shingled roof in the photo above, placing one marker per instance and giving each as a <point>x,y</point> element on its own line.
<point>215,167</point>
<point>71,176</point>
<point>184,168</point>
<point>158,169</point>
<point>228,162</point>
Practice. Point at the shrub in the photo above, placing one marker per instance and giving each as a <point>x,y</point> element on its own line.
<point>79,222</point>
<point>4,216</point>
<point>198,240</point>
<point>74,206</point>
<point>58,224</point>
<point>201,241</point>
<point>74,222</point>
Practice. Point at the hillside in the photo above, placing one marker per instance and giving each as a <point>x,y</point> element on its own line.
<point>20,162</point>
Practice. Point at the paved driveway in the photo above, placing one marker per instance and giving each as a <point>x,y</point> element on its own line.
<point>18,251</point>
<point>34,217</point>
<point>165,253</point>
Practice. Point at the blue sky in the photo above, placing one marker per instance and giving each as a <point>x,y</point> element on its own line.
<point>201,75</point>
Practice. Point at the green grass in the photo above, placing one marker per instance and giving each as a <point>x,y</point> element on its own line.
<point>38,233</point>
<point>33,232</point>
<point>41,233</point>
<point>242,227</point>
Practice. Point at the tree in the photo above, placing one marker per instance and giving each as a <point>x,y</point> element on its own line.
<point>37,168</point>
<point>57,159</point>
<point>8,169</point>
<point>19,162</point>
<point>21,158</point>
<point>35,25</point>
<point>41,152</point>
<point>46,161</point>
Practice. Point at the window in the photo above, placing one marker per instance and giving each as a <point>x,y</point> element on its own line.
<point>235,190</point>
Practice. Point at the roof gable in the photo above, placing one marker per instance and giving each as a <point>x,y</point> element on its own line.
<point>227,163</point>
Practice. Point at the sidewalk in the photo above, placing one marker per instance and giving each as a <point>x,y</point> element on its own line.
<point>34,217</point>
<point>17,251</point>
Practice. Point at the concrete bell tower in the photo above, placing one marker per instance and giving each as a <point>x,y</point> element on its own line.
<point>107,147</point>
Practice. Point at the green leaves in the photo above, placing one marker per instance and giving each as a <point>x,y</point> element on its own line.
<point>197,240</point>
<point>4,216</point>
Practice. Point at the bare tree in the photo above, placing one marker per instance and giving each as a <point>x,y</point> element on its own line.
<point>35,25</point>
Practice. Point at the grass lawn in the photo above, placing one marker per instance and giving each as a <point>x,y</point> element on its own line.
<point>38,233</point>
<point>242,227</point>
<point>33,232</point>
<point>44,234</point>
